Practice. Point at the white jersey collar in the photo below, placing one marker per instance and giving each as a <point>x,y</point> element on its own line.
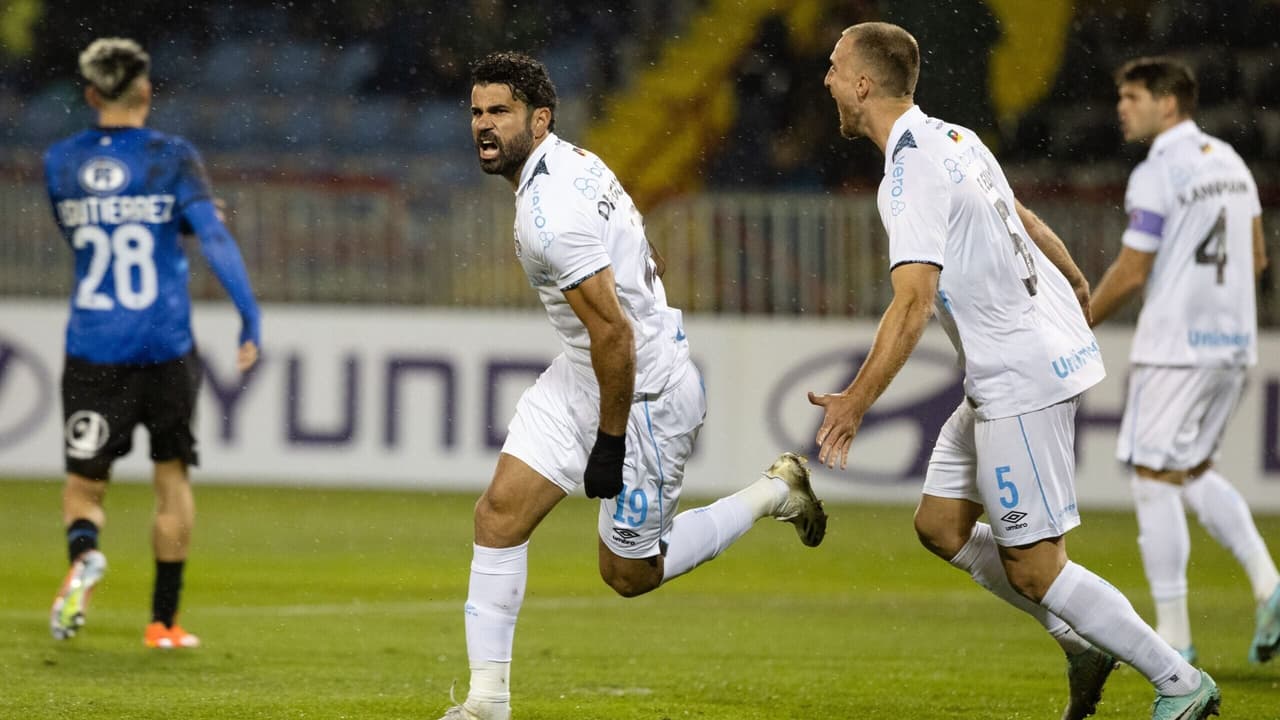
<point>1184,129</point>
<point>535,160</point>
<point>911,117</point>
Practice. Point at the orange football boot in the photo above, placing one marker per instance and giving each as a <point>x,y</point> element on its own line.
<point>167,638</point>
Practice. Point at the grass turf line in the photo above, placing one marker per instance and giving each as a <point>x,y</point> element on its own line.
<point>344,604</point>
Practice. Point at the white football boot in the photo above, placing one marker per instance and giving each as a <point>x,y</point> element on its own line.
<point>801,508</point>
<point>493,711</point>
<point>69,605</point>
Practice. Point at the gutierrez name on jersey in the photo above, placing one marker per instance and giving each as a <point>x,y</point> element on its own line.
<point>154,209</point>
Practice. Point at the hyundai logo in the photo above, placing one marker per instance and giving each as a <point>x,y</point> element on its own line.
<point>901,427</point>
<point>26,392</point>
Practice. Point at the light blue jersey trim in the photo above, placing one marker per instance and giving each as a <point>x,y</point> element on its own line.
<point>662,476</point>
<point>1044,500</point>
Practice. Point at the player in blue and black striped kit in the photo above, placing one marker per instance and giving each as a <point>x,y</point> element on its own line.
<point>122,195</point>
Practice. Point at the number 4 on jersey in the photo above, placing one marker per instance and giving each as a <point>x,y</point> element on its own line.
<point>1213,249</point>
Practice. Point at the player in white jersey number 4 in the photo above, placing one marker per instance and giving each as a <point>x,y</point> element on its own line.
<point>618,410</point>
<point>1015,306</point>
<point>1194,246</point>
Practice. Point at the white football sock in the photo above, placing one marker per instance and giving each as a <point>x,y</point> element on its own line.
<point>1165,547</point>
<point>981,559</point>
<point>1225,515</point>
<point>1105,618</point>
<point>498,577</point>
<point>701,534</point>
<point>765,496</point>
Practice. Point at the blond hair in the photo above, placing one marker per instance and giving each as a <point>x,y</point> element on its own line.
<point>111,65</point>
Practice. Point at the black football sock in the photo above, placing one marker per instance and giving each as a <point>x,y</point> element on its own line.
<point>82,535</point>
<point>164,599</point>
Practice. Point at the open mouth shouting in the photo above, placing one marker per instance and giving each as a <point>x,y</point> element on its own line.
<point>489,148</point>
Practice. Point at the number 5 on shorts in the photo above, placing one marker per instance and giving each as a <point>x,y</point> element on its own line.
<point>1006,485</point>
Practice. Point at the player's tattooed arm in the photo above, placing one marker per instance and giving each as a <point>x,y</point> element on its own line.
<point>613,358</point>
<point>613,347</point>
<point>1052,246</point>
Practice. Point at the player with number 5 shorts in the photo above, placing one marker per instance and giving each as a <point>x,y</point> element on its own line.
<point>1015,306</point>
<point>122,194</point>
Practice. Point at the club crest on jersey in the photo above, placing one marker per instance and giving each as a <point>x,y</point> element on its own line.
<point>103,176</point>
<point>955,136</point>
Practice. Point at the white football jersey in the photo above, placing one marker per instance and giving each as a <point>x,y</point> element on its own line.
<point>1192,202</point>
<point>1012,316</point>
<point>573,219</point>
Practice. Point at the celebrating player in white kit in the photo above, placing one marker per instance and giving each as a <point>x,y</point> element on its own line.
<point>618,410</point>
<point>1010,298</point>
<point>1194,245</point>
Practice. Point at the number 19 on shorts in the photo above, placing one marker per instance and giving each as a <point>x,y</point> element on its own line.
<point>633,507</point>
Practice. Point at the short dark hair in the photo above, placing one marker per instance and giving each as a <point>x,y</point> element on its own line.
<point>1163,76</point>
<point>528,79</point>
<point>893,54</point>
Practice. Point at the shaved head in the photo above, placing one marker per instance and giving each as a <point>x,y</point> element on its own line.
<point>889,54</point>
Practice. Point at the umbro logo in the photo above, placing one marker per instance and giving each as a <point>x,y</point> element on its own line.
<point>1013,520</point>
<point>625,536</point>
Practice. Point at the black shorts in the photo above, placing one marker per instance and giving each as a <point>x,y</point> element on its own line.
<point>102,404</point>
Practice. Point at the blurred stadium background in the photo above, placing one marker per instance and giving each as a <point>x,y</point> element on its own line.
<point>337,132</point>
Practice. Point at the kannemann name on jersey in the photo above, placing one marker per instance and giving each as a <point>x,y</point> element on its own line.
<point>1012,316</point>
<point>573,219</point>
<point>1192,202</point>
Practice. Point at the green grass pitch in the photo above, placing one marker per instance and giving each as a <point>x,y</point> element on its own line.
<point>343,604</point>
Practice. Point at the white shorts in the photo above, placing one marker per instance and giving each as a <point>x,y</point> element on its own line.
<point>1021,469</point>
<point>1174,416</point>
<point>555,426</point>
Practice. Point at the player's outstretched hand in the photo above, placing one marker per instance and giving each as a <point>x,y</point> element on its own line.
<point>840,424</point>
<point>603,476</point>
<point>247,356</point>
